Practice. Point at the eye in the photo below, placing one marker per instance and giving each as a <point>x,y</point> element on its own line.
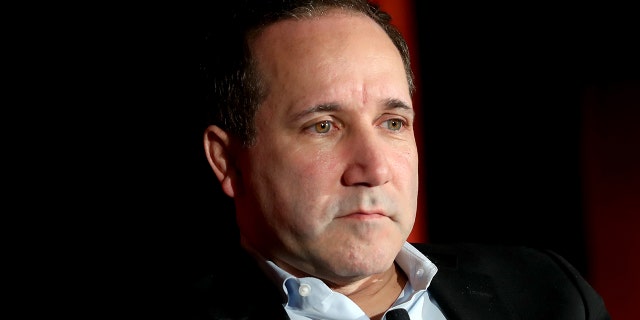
<point>394,124</point>
<point>323,126</point>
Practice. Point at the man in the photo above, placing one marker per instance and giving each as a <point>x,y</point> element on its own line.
<point>312,137</point>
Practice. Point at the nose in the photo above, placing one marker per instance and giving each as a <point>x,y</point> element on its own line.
<point>367,160</point>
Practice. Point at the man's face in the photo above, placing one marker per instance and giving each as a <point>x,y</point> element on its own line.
<point>330,187</point>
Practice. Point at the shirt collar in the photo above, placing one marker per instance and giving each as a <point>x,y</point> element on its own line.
<point>418,268</point>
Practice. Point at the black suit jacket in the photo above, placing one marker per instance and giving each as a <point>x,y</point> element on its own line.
<point>473,282</point>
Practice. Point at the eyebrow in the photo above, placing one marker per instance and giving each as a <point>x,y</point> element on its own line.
<point>389,104</point>
<point>397,104</point>
<point>325,107</point>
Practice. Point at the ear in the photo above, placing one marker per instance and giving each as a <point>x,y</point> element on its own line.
<point>217,145</point>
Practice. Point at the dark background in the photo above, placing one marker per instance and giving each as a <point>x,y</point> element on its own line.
<point>504,91</point>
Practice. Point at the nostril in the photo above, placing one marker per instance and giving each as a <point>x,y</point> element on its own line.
<point>370,174</point>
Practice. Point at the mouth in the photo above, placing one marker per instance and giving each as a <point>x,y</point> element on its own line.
<point>363,215</point>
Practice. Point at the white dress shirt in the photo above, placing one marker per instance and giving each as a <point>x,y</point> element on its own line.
<point>309,298</point>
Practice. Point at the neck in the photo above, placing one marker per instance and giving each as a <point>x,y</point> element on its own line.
<point>377,293</point>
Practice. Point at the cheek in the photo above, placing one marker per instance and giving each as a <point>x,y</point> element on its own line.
<point>311,176</point>
<point>405,163</point>
<point>295,176</point>
<point>312,165</point>
<point>406,176</point>
<point>300,194</point>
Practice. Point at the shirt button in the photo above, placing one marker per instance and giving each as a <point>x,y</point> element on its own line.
<point>304,289</point>
<point>419,272</point>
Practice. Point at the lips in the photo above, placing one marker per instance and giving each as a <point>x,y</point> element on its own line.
<point>365,215</point>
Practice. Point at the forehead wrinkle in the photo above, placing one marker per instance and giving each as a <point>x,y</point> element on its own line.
<point>364,95</point>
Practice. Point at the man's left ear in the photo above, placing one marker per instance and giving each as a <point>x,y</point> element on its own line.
<point>218,148</point>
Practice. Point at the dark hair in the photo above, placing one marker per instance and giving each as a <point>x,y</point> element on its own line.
<point>233,88</point>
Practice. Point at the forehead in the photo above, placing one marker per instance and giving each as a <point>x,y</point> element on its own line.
<point>328,52</point>
<point>322,27</point>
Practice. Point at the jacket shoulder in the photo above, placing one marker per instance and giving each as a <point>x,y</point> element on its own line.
<point>519,281</point>
<point>237,289</point>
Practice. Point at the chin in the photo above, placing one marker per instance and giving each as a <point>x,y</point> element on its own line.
<point>364,268</point>
<point>370,260</point>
